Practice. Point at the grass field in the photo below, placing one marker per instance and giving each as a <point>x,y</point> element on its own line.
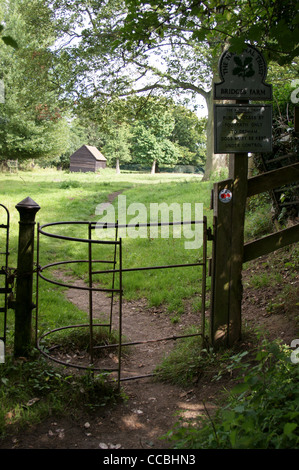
<point>64,196</point>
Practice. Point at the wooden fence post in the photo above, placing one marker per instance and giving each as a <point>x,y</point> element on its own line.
<point>227,255</point>
<point>238,172</point>
<point>221,261</point>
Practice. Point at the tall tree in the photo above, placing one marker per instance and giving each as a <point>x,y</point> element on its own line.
<point>270,24</point>
<point>156,46</point>
<point>189,134</point>
<point>32,124</point>
<point>176,65</point>
<point>149,149</point>
<point>191,29</point>
<point>152,132</point>
<point>117,146</point>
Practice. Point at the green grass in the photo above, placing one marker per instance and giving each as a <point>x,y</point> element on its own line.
<point>66,197</point>
<point>34,389</point>
<point>186,362</point>
<point>260,412</point>
<point>63,196</point>
<point>258,221</point>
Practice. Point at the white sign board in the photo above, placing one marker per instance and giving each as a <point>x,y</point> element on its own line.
<point>242,76</point>
<point>243,128</point>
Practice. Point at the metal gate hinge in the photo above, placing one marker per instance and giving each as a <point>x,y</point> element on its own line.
<point>212,199</point>
<point>210,235</point>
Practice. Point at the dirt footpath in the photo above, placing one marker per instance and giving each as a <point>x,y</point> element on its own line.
<point>152,408</point>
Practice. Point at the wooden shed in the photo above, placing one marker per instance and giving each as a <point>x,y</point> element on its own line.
<point>87,158</point>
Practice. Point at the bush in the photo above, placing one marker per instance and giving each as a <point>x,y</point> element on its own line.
<point>262,410</point>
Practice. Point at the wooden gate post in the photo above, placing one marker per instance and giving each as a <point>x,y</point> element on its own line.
<point>228,246</point>
<point>239,128</point>
<point>238,172</point>
<point>221,260</point>
<point>23,306</point>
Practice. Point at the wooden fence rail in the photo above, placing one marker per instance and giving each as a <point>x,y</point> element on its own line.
<point>229,251</point>
<point>273,179</point>
<point>270,243</point>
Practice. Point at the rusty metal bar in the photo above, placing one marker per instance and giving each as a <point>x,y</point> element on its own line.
<point>5,270</point>
<point>90,294</point>
<point>135,343</point>
<point>58,263</point>
<point>148,224</point>
<point>108,271</point>
<point>37,284</point>
<point>135,377</point>
<point>120,312</point>
<point>74,287</point>
<point>147,268</point>
<point>68,364</point>
<point>74,239</point>
<point>113,279</point>
<point>90,288</point>
<point>203,281</point>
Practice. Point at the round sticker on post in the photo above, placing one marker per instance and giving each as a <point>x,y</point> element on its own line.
<point>225,195</point>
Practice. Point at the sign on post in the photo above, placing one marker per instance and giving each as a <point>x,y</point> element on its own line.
<point>225,196</point>
<point>243,128</point>
<point>242,76</point>
<point>239,128</point>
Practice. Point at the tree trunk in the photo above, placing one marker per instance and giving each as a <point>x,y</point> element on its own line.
<point>117,166</point>
<point>215,162</point>
<point>153,170</point>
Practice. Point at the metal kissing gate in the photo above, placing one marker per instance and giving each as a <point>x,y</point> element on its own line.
<point>117,271</point>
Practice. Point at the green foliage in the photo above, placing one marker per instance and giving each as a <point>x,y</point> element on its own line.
<point>185,362</point>
<point>101,69</point>
<point>117,146</point>
<point>262,411</point>
<point>145,147</point>
<point>285,144</point>
<point>8,40</point>
<point>189,134</point>
<point>33,389</point>
<point>32,124</point>
<point>270,24</point>
<point>151,136</point>
<point>258,220</point>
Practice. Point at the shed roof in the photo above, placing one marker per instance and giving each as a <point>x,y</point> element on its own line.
<point>94,152</point>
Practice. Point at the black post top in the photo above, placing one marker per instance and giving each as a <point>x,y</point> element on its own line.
<point>28,205</point>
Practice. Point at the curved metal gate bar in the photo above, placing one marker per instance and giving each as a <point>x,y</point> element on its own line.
<point>90,288</point>
<point>117,243</point>
<point>5,289</point>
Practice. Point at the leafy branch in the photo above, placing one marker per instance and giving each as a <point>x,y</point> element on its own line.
<point>8,40</point>
<point>243,69</point>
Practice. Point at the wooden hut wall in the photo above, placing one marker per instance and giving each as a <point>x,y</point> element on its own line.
<point>100,164</point>
<point>82,161</point>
